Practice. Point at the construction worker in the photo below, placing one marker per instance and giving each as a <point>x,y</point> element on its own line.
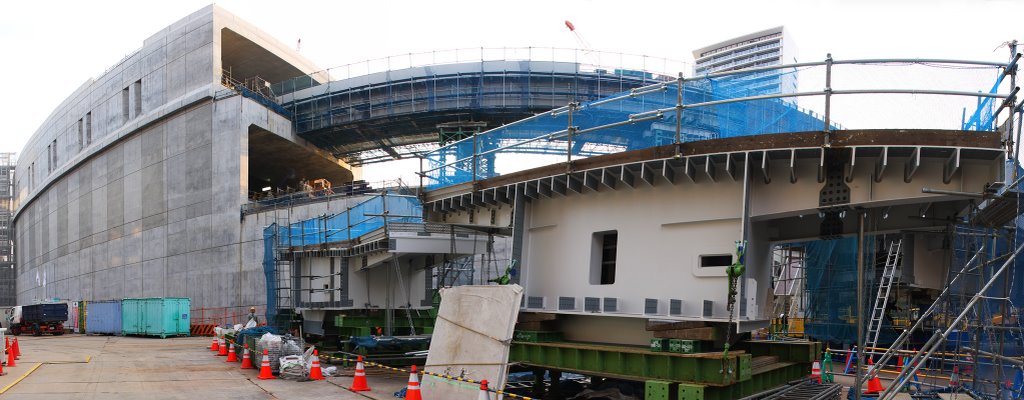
<point>785,323</point>
<point>252,316</point>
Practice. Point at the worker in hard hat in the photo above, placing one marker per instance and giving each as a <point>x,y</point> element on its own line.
<point>252,316</point>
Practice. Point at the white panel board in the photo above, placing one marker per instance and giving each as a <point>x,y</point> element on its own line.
<point>471,338</point>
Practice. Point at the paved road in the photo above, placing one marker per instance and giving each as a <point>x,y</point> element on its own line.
<point>107,367</point>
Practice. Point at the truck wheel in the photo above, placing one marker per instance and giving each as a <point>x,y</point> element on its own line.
<point>36,331</point>
<point>15,331</point>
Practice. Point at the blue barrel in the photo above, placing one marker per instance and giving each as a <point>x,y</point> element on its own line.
<point>103,317</point>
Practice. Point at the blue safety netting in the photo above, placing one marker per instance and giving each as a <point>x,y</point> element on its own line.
<point>638,119</point>
<point>269,238</point>
<point>831,271</point>
<point>365,217</point>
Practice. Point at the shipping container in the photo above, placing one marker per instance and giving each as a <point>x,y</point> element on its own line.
<point>103,317</point>
<point>160,316</point>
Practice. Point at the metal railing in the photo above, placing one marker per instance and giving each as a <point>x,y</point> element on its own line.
<point>588,60</point>
<point>653,115</point>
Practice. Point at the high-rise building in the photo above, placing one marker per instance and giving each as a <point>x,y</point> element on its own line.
<point>7,276</point>
<point>759,49</point>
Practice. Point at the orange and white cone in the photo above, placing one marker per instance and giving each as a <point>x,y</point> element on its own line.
<point>314,370</point>
<point>214,346</point>
<point>484,393</point>
<point>223,351</point>
<point>359,382</point>
<point>816,372</point>
<point>412,392</point>
<point>246,359</point>
<point>232,356</point>
<point>10,359</point>
<point>875,384</point>
<point>265,367</point>
<point>954,378</point>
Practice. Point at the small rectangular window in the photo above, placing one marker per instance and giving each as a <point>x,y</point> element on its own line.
<point>603,257</point>
<point>124,105</point>
<point>81,135</point>
<point>53,158</point>
<point>49,161</point>
<point>715,260</point>
<point>137,87</point>
<point>88,128</point>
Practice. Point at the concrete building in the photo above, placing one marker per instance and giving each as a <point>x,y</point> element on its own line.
<point>132,186</point>
<point>140,182</point>
<point>758,49</point>
<point>7,276</point>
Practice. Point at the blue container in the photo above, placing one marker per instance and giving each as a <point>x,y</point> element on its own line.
<point>103,317</point>
<point>159,316</point>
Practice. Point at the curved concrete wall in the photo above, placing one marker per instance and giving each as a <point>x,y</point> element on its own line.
<point>150,205</point>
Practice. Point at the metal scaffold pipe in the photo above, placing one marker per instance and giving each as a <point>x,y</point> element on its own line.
<point>940,336</point>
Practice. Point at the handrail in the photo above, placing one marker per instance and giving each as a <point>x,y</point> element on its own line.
<point>681,82</point>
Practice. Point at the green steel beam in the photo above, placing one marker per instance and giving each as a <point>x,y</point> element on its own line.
<point>633,363</point>
<point>677,376</point>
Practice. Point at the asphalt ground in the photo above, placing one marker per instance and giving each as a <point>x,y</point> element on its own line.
<point>113,367</point>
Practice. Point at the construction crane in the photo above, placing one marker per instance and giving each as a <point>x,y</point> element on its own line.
<point>582,43</point>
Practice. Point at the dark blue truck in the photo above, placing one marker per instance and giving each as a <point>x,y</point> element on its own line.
<point>38,319</point>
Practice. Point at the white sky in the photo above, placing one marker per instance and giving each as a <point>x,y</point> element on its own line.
<point>49,48</point>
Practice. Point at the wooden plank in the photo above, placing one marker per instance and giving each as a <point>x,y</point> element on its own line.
<point>535,317</point>
<point>706,333</point>
<point>655,325</point>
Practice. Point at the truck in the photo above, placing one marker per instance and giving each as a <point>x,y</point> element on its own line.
<point>37,319</point>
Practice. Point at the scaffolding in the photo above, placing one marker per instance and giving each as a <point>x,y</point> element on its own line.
<point>8,294</point>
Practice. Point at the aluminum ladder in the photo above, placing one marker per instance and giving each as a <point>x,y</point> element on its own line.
<point>892,263</point>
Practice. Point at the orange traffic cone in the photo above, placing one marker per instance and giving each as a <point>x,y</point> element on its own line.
<point>359,382</point>
<point>17,349</point>
<point>223,350</point>
<point>314,371</point>
<point>232,356</point>
<point>484,394</point>
<point>246,359</point>
<point>954,378</point>
<point>875,384</point>
<point>10,359</point>
<point>265,367</point>
<point>412,392</point>
<point>816,372</point>
<point>214,346</point>
<point>2,373</point>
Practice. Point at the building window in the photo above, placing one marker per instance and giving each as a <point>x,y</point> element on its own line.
<point>53,157</point>
<point>124,105</point>
<point>715,260</point>
<point>81,135</point>
<point>603,255</point>
<point>88,128</point>
<point>137,87</point>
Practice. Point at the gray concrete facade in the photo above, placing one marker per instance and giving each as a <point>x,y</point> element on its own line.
<point>133,186</point>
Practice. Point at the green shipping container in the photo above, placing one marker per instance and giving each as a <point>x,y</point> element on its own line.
<point>160,316</point>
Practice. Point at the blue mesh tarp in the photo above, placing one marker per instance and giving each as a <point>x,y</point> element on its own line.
<point>269,238</point>
<point>643,118</point>
<point>356,221</point>
<point>831,270</point>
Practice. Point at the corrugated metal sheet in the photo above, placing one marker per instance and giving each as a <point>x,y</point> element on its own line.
<point>103,317</point>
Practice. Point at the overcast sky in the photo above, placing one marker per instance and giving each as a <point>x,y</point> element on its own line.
<point>51,47</point>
